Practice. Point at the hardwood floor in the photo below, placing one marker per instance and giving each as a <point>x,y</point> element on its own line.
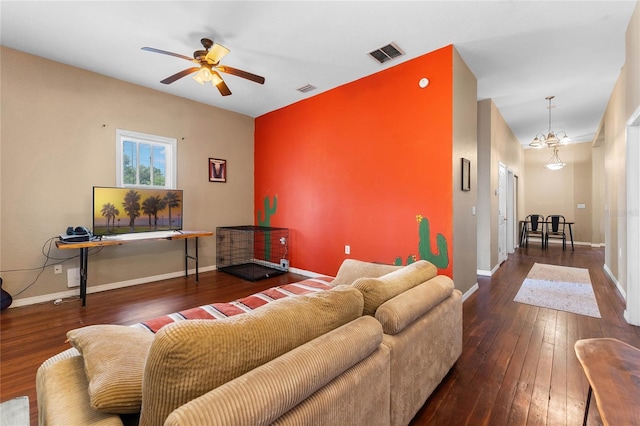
<point>517,367</point>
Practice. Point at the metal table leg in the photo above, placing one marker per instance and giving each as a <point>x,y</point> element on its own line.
<point>84,257</point>
<point>571,234</point>
<point>187,257</point>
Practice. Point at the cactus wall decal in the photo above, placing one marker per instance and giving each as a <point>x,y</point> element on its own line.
<point>440,258</point>
<point>266,221</point>
<point>268,211</point>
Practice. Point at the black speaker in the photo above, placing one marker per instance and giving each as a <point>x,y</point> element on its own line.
<point>76,235</point>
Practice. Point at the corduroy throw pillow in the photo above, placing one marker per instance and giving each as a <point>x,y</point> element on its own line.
<point>352,269</point>
<point>376,291</point>
<point>114,357</point>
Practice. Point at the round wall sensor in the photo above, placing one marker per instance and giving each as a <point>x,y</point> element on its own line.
<point>424,82</point>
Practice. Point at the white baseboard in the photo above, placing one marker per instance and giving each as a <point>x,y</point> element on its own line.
<point>469,292</point>
<point>615,281</point>
<point>305,273</point>
<point>75,292</point>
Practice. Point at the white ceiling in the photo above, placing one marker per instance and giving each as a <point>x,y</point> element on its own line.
<point>520,51</point>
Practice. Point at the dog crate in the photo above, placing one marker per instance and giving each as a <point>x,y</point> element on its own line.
<point>252,252</point>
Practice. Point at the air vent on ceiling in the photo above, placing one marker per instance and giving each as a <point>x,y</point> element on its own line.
<point>386,53</point>
<point>306,88</point>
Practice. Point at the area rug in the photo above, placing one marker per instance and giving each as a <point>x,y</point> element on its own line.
<point>559,287</point>
<point>15,412</point>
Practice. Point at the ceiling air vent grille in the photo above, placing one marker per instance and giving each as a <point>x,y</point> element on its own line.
<point>306,88</point>
<point>386,53</point>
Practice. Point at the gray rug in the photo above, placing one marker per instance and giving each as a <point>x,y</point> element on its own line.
<point>15,412</point>
<point>559,287</point>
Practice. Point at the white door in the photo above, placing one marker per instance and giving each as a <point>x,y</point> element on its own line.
<point>502,213</point>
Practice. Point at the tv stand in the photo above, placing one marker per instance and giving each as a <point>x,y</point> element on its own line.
<point>86,245</point>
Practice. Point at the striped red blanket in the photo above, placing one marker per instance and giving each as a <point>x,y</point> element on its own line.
<point>240,306</point>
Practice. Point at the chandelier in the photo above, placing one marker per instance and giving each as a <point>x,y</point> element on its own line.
<point>551,140</point>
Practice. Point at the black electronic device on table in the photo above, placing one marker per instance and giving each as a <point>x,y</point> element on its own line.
<point>78,234</point>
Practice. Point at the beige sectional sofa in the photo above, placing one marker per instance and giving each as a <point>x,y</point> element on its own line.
<point>368,351</point>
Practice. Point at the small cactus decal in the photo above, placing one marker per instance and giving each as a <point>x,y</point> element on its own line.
<point>440,258</point>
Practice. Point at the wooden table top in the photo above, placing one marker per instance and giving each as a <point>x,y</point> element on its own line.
<point>112,241</point>
<point>613,370</point>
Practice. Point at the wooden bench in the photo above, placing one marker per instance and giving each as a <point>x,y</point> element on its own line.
<point>612,368</point>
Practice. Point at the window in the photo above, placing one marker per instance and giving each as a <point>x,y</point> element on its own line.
<point>145,161</point>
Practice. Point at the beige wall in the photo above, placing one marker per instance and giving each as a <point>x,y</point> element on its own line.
<point>58,141</point>
<point>560,191</point>
<point>611,137</point>
<point>496,144</point>
<point>465,144</point>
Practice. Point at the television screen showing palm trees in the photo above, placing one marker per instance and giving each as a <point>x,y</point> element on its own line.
<point>127,210</point>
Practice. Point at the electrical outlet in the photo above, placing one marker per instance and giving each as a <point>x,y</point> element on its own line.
<point>347,249</point>
<point>57,269</point>
<point>73,277</point>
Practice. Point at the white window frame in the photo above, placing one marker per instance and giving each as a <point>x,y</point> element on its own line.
<point>171,159</point>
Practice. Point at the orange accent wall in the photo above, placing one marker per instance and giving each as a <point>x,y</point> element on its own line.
<point>355,165</point>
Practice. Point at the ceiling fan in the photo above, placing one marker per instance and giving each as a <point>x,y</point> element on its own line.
<point>209,65</point>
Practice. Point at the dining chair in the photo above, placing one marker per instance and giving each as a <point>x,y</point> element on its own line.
<point>534,225</point>
<point>556,225</point>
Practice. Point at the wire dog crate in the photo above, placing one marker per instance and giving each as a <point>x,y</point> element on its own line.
<point>252,252</point>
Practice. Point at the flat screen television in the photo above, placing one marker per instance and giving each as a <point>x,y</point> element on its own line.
<point>130,210</point>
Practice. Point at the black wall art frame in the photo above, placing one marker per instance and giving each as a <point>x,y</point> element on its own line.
<point>466,175</point>
<point>217,170</point>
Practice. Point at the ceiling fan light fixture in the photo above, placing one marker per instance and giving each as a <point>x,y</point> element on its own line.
<point>215,78</point>
<point>203,75</point>
<point>199,78</point>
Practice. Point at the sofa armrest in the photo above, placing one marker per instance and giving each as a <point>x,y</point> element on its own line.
<point>264,394</point>
<point>397,313</point>
<point>61,386</point>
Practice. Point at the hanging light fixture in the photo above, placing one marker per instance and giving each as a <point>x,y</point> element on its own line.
<point>554,162</point>
<point>205,74</point>
<point>552,139</point>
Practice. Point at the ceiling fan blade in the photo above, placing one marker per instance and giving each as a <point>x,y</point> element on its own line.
<point>164,52</point>
<point>240,73</point>
<point>216,53</point>
<point>179,75</point>
<point>223,88</point>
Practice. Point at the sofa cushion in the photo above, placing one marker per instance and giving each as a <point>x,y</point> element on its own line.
<point>264,394</point>
<point>189,358</point>
<point>114,357</point>
<point>376,291</point>
<point>352,269</point>
<point>397,313</point>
